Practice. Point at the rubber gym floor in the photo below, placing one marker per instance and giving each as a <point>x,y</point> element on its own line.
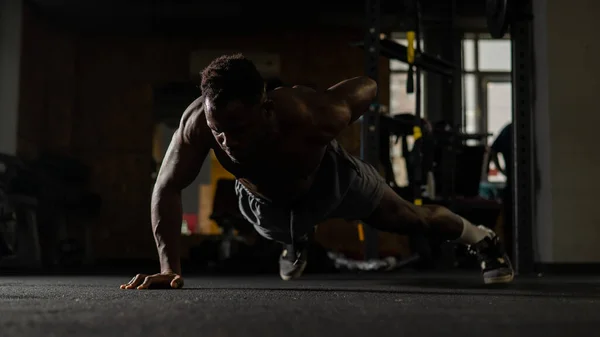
<point>403,304</point>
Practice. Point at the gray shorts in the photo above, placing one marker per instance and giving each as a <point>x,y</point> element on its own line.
<point>345,187</point>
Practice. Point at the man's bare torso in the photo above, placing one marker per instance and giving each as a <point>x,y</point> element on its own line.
<point>284,167</point>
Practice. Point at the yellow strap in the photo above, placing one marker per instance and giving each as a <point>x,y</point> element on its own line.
<point>361,233</point>
<point>410,51</point>
<point>417,132</point>
<point>416,135</point>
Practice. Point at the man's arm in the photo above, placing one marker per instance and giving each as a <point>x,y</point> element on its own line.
<point>339,106</point>
<point>354,95</point>
<point>182,163</point>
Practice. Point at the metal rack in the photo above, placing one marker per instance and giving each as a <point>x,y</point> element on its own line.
<point>369,148</point>
<point>522,77</point>
<point>523,149</point>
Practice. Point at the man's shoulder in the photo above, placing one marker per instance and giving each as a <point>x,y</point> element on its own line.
<point>193,111</point>
<point>311,114</point>
<point>192,125</point>
<point>290,104</point>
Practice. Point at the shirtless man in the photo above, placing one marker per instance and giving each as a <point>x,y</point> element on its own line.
<point>290,172</point>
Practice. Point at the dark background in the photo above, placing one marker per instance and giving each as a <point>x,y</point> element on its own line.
<point>88,73</point>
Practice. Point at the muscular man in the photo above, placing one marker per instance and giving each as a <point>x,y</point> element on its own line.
<point>290,172</point>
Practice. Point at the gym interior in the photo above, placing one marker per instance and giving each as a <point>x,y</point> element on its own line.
<point>91,93</point>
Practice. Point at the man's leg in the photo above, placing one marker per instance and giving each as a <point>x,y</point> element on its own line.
<point>293,258</point>
<point>394,214</point>
<point>275,223</point>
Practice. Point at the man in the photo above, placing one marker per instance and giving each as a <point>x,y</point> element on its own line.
<point>291,173</point>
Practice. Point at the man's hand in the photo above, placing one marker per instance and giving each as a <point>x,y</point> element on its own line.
<point>161,281</point>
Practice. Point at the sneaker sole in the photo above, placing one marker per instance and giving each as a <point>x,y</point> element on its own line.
<point>295,274</point>
<point>500,279</point>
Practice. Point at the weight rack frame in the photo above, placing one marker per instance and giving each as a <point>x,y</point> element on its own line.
<point>370,136</point>
<point>523,191</point>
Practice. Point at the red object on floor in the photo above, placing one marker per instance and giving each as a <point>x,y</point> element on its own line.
<point>192,221</point>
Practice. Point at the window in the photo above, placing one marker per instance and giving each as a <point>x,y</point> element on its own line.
<point>487,87</point>
<point>499,106</point>
<point>470,102</point>
<point>494,55</point>
<point>401,101</point>
<point>499,109</point>
<point>468,55</point>
<point>396,65</point>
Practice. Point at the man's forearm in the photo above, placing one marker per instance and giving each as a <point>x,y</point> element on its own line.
<point>166,225</point>
<point>358,93</point>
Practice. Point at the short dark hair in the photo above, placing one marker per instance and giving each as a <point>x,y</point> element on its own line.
<point>232,77</point>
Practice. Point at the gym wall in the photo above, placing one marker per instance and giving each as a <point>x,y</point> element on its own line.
<point>10,54</point>
<point>91,96</point>
<point>566,126</point>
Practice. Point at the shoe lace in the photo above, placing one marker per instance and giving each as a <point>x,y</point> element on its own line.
<point>487,249</point>
<point>292,254</point>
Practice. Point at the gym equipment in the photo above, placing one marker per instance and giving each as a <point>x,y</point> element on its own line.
<point>498,16</point>
<point>374,46</point>
<point>8,226</point>
<point>369,145</point>
<point>457,164</point>
<point>413,36</point>
<point>43,194</point>
<point>396,51</point>
<point>19,236</point>
<point>389,263</point>
<point>524,189</point>
<point>422,153</point>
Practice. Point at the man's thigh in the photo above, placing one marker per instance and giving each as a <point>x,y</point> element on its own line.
<point>272,221</point>
<point>372,201</point>
<point>363,195</point>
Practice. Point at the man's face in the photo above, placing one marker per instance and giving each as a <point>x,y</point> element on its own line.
<point>238,128</point>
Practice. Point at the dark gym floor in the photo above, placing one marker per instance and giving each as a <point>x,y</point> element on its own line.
<point>406,304</point>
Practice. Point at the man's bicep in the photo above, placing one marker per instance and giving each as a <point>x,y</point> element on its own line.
<point>182,163</point>
<point>324,108</point>
<point>324,117</point>
<point>357,94</point>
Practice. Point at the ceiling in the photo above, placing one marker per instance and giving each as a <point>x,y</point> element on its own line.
<point>192,16</point>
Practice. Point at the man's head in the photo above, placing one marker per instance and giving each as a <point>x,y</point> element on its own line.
<point>236,104</point>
